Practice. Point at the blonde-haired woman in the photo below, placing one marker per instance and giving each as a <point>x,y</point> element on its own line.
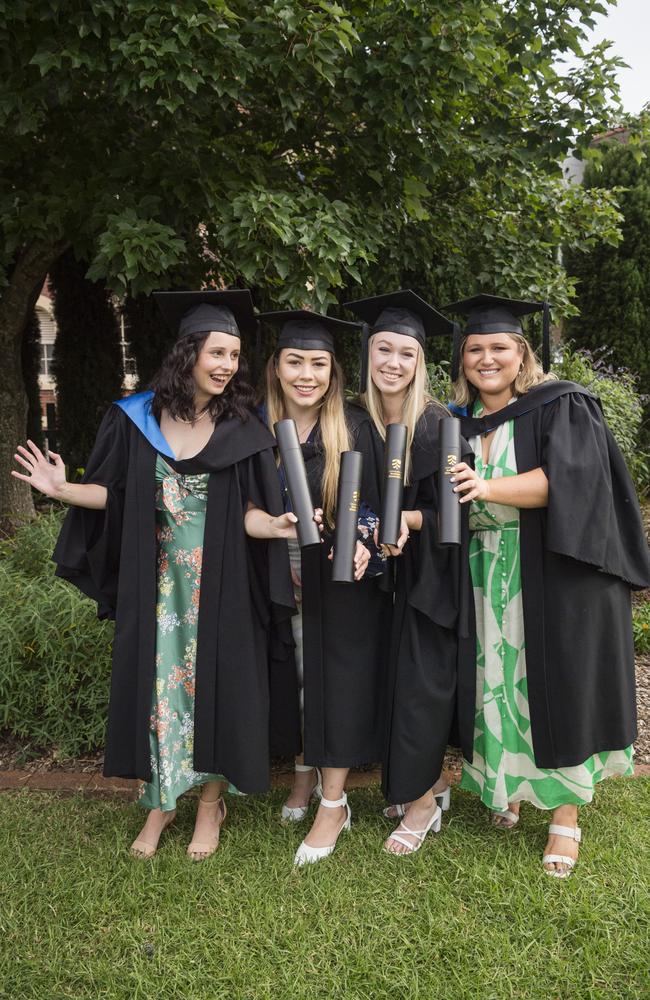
<point>339,629</point>
<point>421,683</point>
<point>548,706</point>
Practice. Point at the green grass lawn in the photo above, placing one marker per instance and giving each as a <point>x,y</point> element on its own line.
<point>471,916</point>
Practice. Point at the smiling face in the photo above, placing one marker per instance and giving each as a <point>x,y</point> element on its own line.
<point>491,362</point>
<point>304,376</point>
<point>393,362</point>
<point>215,366</point>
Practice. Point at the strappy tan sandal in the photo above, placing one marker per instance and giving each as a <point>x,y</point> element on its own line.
<point>142,849</point>
<point>198,850</point>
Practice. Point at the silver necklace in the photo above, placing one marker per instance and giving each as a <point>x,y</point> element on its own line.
<point>195,420</point>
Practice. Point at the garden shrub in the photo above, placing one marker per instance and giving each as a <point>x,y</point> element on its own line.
<point>622,403</point>
<point>54,653</point>
<point>641,627</point>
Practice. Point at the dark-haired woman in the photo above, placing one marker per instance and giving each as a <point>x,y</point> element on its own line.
<point>157,535</point>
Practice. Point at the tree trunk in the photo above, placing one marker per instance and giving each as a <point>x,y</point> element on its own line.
<point>17,304</point>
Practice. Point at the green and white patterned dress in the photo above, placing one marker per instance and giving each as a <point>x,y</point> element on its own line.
<point>181,502</point>
<point>503,769</point>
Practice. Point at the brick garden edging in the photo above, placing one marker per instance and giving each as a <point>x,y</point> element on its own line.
<point>96,786</point>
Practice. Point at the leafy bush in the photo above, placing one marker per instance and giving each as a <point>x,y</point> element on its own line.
<point>54,653</point>
<point>622,403</point>
<point>439,381</point>
<point>641,627</point>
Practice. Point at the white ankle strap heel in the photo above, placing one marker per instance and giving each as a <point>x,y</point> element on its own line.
<point>573,833</point>
<point>306,855</point>
<point>295,814</point>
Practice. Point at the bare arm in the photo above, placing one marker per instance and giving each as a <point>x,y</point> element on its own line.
<point>259,524</point>
<point>527,489</point>
<point>47,475</point>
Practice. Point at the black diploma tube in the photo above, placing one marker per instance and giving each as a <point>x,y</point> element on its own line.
<point>393,494</point>
<point>347,516</point>
<point>448,501</point>
<point>297,484</point>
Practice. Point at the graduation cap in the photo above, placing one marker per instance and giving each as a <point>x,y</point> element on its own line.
<point>209,311</point>
<point>397,312</point>
<point>497,314</point>
<point>307,331</point>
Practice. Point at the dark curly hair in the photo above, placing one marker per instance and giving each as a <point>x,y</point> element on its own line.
<point>173,384</point>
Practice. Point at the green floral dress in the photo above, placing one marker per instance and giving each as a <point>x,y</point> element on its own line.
<point>180,520</point>
<point>503,769</point>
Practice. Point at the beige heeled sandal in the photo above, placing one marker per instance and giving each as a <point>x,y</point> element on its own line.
<point>142,850</point>
<point>200,850</point>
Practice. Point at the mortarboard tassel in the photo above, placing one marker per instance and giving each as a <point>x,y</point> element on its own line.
<point>546,337</point>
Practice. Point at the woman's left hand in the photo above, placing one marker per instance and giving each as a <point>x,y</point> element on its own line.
<point>361,560</point>
<point>395,550</point>
<point>469,483</point>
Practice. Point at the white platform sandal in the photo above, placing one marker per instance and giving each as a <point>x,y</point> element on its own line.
<point>306,855</point>
<point>511,818</point>
<point>443,799</point>
<point>295,814</point>
<point>434,824</point>
<point>574,833</point>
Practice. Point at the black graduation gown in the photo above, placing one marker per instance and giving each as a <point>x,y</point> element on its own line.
<point>428,613</point>
<point>344,641</point>
<point>111,556</point>
<point>580,556</point>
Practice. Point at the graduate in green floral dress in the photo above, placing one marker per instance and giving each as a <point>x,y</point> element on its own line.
<point>556,544</point>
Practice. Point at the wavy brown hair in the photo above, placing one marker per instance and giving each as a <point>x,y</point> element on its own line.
<point>334,430</point>
<point>174,386</point>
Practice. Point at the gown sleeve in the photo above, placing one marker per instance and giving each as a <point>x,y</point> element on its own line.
<point>593,513</point>
<point>270,558</point>
<point>442,586</point>
<point>87,552</point>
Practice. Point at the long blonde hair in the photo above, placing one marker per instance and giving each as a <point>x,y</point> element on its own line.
<point>334,431</point>
<point>530,374</point>
<point>416,400</point>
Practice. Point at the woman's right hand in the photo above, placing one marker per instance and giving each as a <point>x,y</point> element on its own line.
<point>45,474</point>
<point>284,525</point>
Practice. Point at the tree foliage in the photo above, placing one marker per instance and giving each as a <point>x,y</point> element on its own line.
<point>613,292</point>
<point>307,149</point>
<point>87,363</point>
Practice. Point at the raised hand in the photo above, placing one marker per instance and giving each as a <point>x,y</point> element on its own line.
<point>45,474</point>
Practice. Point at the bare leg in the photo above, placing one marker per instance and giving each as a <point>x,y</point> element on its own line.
<point>328,822</point>
<point>440,786</point>
<point>146,843</point>
<point>304,783</point>
<point>209,817</point>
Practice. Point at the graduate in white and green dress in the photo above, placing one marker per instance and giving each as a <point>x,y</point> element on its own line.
<point>557,543</point>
